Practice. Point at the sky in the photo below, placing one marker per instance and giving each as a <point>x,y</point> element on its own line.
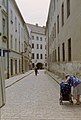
<point>34,11</point>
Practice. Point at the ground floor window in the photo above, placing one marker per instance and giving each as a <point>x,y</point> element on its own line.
<point>15,66</point>
<point>69,49</point>
<point>63,51</point>
<point>11,61</point>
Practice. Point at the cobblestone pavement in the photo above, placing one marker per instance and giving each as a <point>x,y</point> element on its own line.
<point>15,79</point>
<point>37,98</point>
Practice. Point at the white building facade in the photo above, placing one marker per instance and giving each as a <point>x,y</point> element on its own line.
<point>18,41</point>
<point>38,39</point>
<point>15,49</point>
<point>3,49</point>
<point>63,33</point>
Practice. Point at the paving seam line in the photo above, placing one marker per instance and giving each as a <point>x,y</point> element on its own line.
<point>52,77</point>
<point>18,80</point>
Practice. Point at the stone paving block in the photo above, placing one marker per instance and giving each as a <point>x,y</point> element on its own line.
<point>37,98</point>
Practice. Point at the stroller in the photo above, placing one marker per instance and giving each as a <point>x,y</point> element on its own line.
<point>65,93</point>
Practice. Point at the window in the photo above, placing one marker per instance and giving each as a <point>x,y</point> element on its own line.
<point>15,44</point>
<point>32,55</point>
<point>11,44</point>
<point>58,53</point>
<point>37,56</point>
<point>55,55</point>
<point>37,38</point>
<point>41,56</point>
<point>19,30</point>
<point>54,5</point>
<point>63,51</point>
<point>37,46</point>
<point>45,47</point>
<point>40,46</point>
<point>69,49</point>
<point>15,24</point>
<point>58,24</point>
<point>45,64</point>
<point>54,30</point>
<point>40,38</point>
<point>45,56</point>
<point>19,66</point>
<point>62,14</point>
<point>32,45</point>
<point>19,35</point>
<point>15,66</point>
<point>19,46</point>
<point>11,61</point>
<point>4,25</point>
<point>32,37</point>
<point>0,52</point>
<point>68,8</point>
<point>11,17</point>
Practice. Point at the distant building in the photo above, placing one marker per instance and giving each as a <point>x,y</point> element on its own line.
<point>38,39</point>
<point>63,34</point>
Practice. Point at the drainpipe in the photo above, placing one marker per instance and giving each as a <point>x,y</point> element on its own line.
<point>48,46</point>
<point>7,40</point>
<point>22,63</point>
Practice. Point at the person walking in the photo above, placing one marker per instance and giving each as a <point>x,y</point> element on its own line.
<point>36,71</point>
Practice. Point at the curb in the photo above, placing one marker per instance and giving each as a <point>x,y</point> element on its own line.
<point>18,80</point>
<point>50,74</point>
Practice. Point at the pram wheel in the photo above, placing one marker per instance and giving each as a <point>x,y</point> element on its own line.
<point>60,101</point>
<point>70,99</point>
<point>71,102</point>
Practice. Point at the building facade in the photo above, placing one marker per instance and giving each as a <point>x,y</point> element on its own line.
<point>15,49</point>
<point>18,41</point>
<point>38,39</point>
<point>3,48</point>
<point>63,33</point>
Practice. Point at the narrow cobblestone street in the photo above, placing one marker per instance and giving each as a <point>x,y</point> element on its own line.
<point>37,98</point>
